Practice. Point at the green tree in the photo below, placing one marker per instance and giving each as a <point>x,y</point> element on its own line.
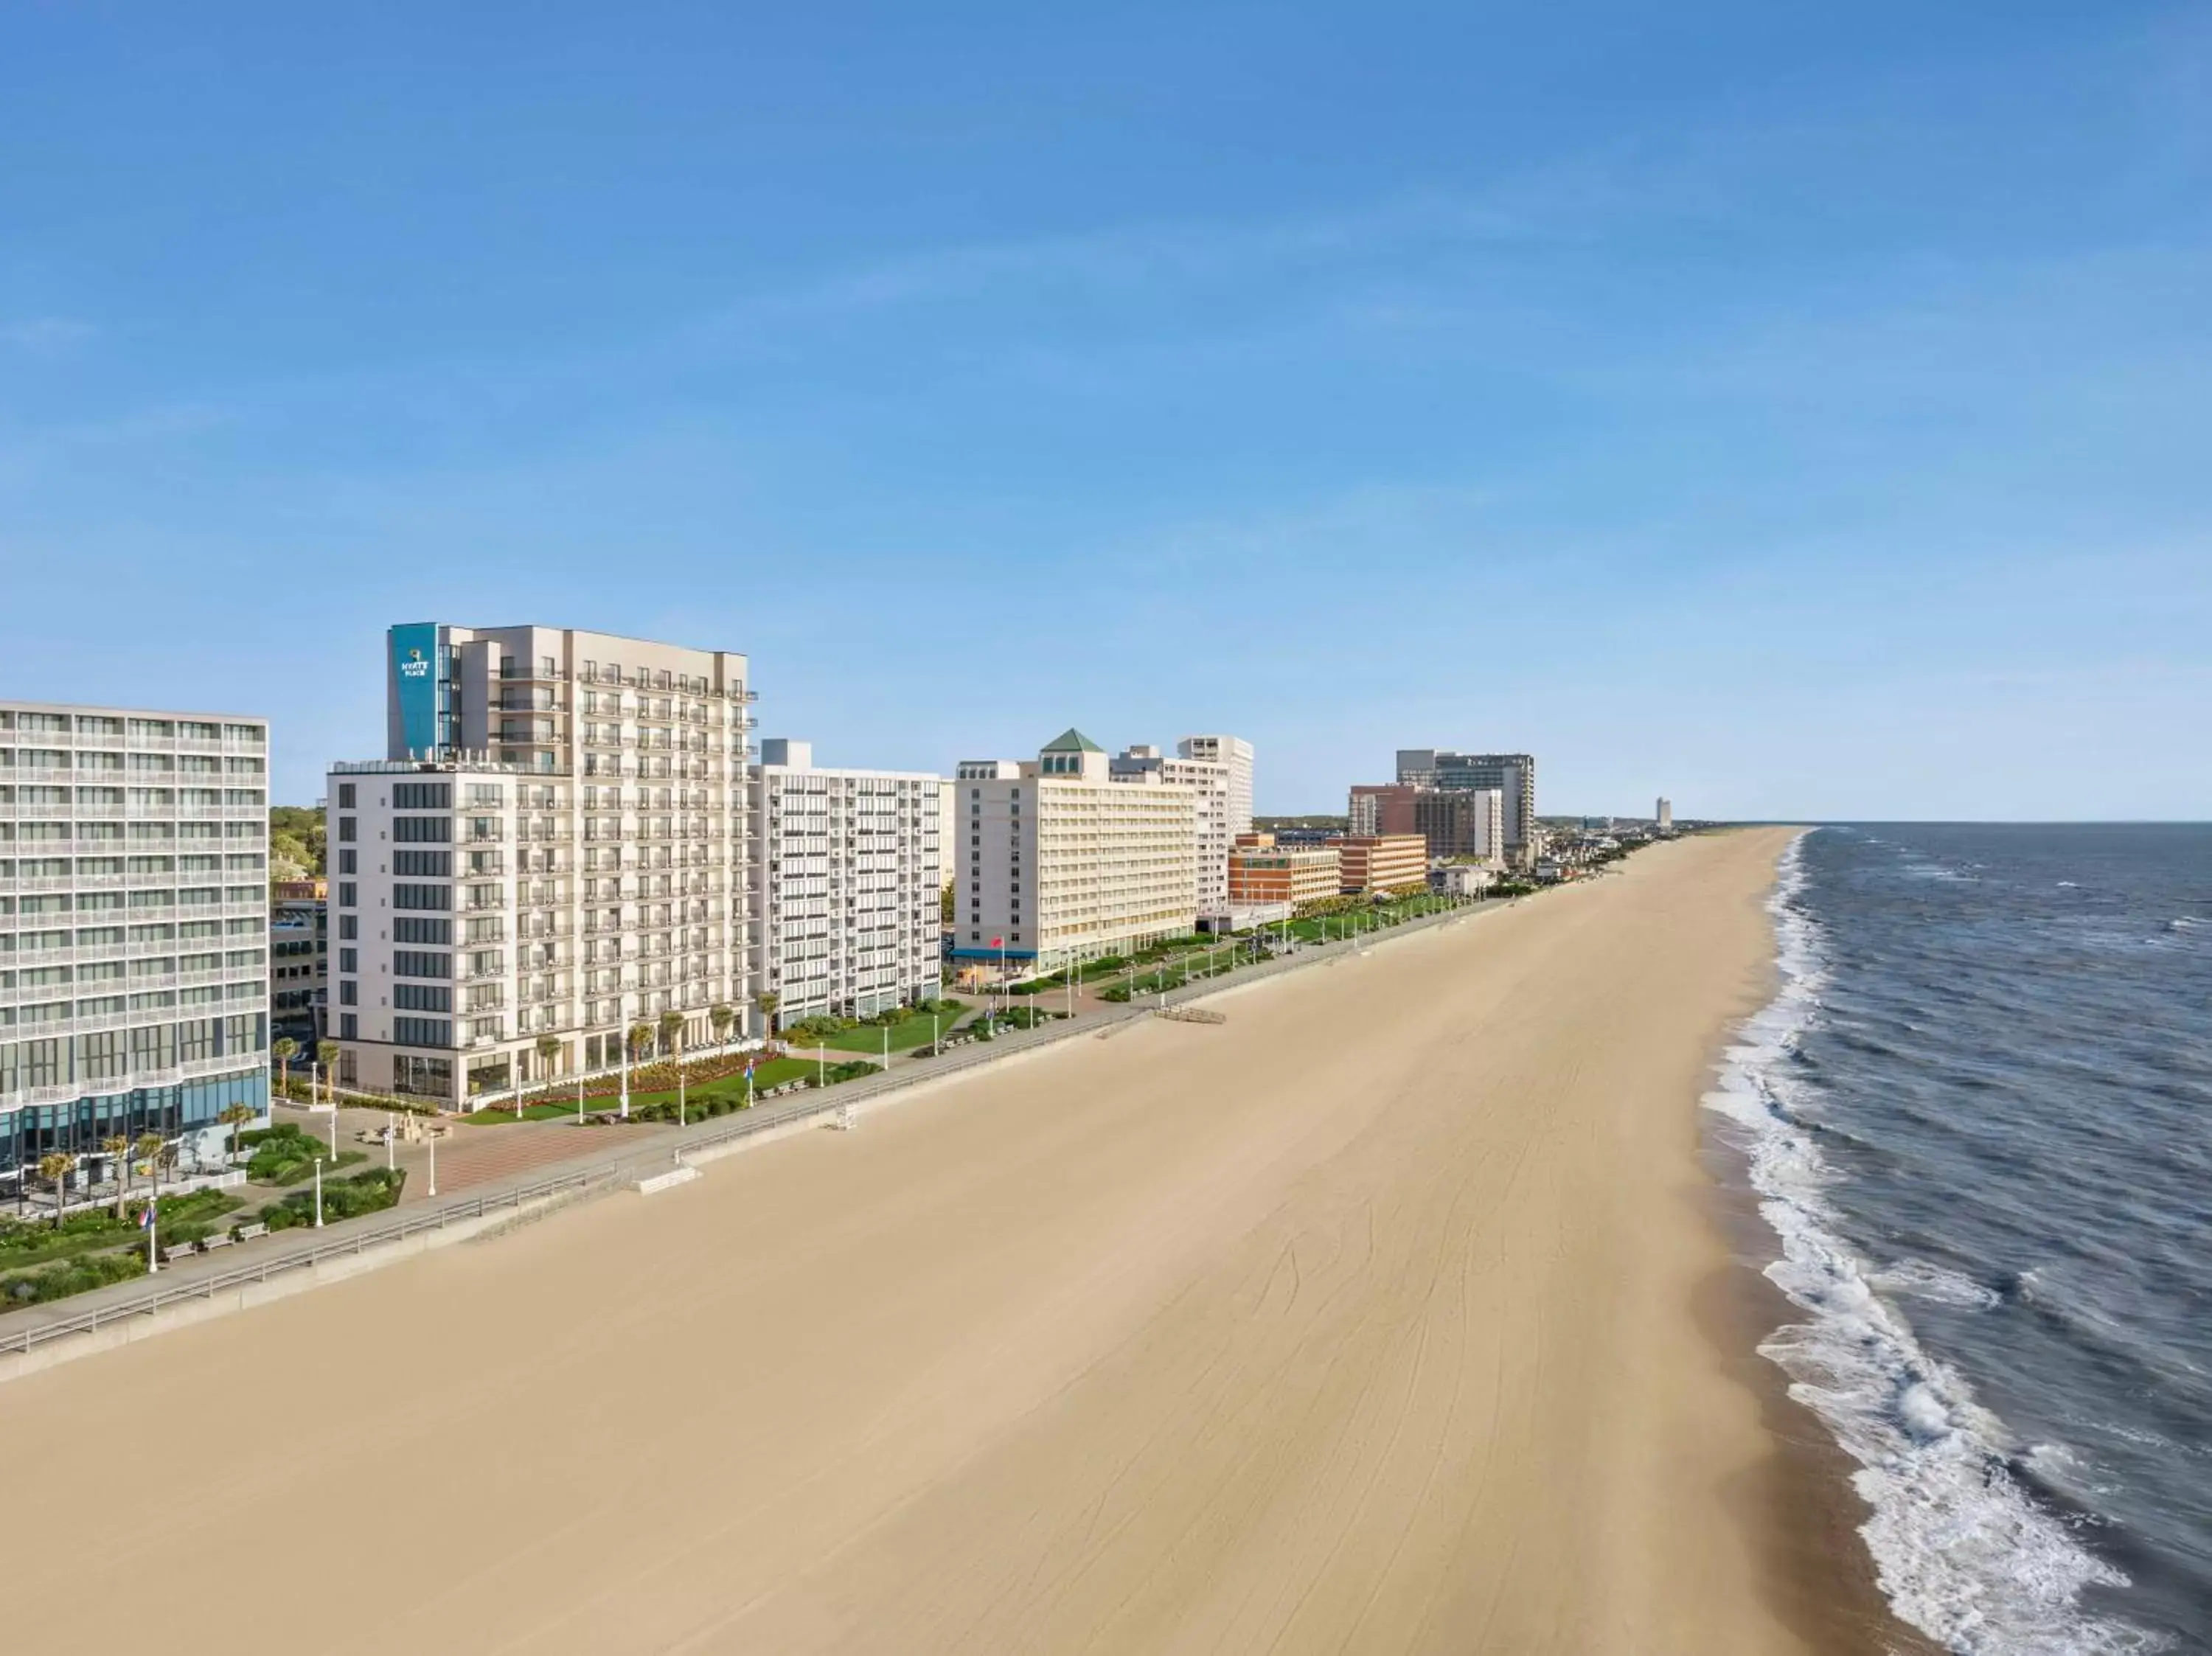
<point>722,1015</point>
<point>297,842</point>
<point>117,1149</point>
<point>768,1000</point>
<point>234,1116</point>
<point>549,1048</point>
<point>282,1051</point>
<point>54,1166</point>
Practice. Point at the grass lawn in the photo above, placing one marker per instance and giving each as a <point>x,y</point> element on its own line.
<point>560,1109</point>
<point>773,1073</point>
<point>905,1036</point>
<point>346,1159</point>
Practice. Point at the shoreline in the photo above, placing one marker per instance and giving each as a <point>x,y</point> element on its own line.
<point>1822,1576</point>
<point>1397,1314</point>
<point>1819,1572</point>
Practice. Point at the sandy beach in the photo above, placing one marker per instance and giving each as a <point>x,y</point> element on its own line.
<point>1392,1315</point>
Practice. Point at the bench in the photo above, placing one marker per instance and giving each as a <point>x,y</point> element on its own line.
<point>247,1233</point>
<point>177,1251</point>
<point>221,1238</point>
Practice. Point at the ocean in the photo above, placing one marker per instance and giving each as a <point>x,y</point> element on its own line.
<point>1978,1120</point>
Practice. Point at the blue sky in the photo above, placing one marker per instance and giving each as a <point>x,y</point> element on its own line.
<point>1799,411</point>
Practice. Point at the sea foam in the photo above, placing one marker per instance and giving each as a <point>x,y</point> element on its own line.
<point>1963,1550</point>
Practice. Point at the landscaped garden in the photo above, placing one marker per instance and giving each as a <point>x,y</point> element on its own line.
<point>41,1260</point>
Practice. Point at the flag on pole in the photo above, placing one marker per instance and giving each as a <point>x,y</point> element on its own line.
<point>146,1215</point>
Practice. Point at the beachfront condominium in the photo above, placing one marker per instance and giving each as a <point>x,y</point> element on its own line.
<point>1662,816</point>
<point>1234,754</point>
<point>1455,823</point>
<point>1458,823</point>
<point>846,886</point>
<point>134,929</point>
<point>1057,861</point>
<point>1211,781</point>
<point>1513,774</point>
<point>555,850</point>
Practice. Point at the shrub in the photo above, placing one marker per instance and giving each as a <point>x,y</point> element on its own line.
<point>81,1276</point>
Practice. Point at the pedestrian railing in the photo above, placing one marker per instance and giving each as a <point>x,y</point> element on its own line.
<point>621,1166</point>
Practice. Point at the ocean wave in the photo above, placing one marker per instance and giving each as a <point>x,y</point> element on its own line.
<point>1920,1279</point>
<point>1964,1551</point>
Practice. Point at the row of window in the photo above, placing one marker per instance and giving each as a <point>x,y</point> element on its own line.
<point>142,800</point>
<point>149,730</point>
<point>114,1054</point>
<point>144,764</point>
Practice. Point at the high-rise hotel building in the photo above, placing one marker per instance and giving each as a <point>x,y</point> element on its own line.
<point>1208,781</point>
<point>555,849</point>
<point>134,927</point>
<point>847,884</point>
<point>1513,774</point>
<point>1057,861</point>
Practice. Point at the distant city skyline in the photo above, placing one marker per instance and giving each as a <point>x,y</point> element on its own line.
<point>1796,416</point>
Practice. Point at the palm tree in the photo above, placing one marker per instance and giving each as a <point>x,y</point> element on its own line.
<point>234,1117</point>
<point>117,1149</point>
<point>549,1048</point>
<point>282,1051</point>
<point>54,1168</point>
<point>671,1041</point>
<point>768,1000</point>
<point>722,1015</point>
<point>326,1054</point>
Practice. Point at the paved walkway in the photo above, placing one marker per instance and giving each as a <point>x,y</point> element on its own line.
<point>469,1156</point>
<point>543,1145</point>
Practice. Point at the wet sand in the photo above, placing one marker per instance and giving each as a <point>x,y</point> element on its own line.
<point>1393,1315</point>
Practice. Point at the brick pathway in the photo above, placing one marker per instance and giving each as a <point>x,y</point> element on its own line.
<point>471,1155</point>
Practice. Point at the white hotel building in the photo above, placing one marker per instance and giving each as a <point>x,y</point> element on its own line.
<point>134,928</point>
<point>557,847</point>
<point>1209,782</point>
<point>847,884</point>
<point>1057,861</point>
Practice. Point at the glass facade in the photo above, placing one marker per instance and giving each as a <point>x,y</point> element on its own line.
<point>134,925</point>
<point>78,1127</point>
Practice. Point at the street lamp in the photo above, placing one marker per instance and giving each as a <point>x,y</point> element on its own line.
<point>319,1193</point>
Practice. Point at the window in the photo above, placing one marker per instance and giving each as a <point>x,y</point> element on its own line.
<point>423,996</point>
<point>422,796</point>
<point>348,959</point>
<point>345,796</point>
<point>406,929</point>
<point>348,826</point>
<point>349,925</point>
<point>422,896</point>
<point>349,895</point>
<point>347,862</point>
<point>435,865</point>
<point>349,993</point>
<point>423,830</point>
<point>412,963</point>
<point>348,1029</point>
<point>423,1032</point>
